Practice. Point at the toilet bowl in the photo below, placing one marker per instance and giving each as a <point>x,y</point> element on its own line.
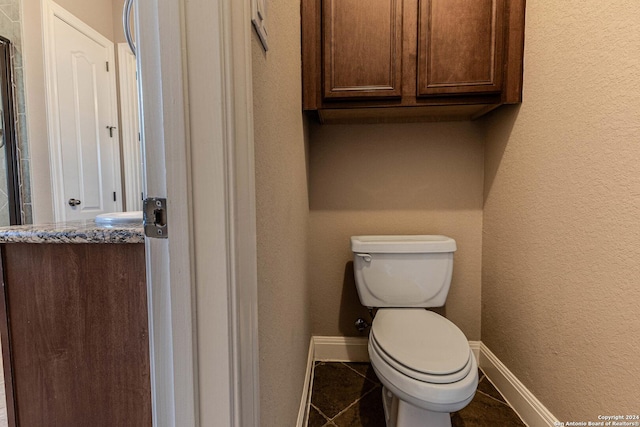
<point>422,359</point>
<point>426,364</point>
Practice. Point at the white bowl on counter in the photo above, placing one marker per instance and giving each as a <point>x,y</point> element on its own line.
<point>119,218</point>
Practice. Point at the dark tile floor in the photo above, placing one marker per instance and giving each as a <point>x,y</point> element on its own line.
<point>349,395</point>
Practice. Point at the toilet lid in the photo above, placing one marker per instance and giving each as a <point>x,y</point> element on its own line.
<point>421,341</point>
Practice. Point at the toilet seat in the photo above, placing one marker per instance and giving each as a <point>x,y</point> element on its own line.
<point>435,397</point>
<point>421,345</point>
<point>421,376</point>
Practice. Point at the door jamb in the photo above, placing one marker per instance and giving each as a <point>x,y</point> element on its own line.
<point>203,297</point>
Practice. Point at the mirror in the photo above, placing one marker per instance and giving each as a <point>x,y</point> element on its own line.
<point>9,184</point>
<point>78,136</point>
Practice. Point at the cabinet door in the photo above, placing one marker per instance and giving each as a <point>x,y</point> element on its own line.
<point>76,331</point>
<point>362,48</point>
<point>460,46</point>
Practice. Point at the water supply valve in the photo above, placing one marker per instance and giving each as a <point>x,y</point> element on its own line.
<point>361,324</point>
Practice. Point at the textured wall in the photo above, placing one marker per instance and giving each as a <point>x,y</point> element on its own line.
<point>393,179</point>
<point>561,246</point>
<point>118,31</point>
<point>282,217</point>
<point>98,14</point>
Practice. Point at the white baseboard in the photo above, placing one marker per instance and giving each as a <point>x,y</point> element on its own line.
<point>341,349</point>
<point>305,400</point>
<point>523,402</point>
<point>350,349</point>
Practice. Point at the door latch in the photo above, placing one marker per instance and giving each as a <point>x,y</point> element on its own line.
<point>154,218</point>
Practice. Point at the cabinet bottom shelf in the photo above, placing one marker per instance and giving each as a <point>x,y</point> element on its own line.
<point>435,113</point>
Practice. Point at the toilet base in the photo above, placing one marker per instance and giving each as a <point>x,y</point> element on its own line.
<point>402,414</point>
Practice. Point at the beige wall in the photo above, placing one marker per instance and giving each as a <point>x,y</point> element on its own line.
<point>393,179</point>
<point>118,32</point>
<point>561,247</point>
<point>282,216</point>
<point>98,14</point>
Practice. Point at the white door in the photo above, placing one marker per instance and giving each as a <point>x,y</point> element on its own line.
<point>85,146</point>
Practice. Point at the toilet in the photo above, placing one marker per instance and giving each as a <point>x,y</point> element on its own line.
<point>423,360</point>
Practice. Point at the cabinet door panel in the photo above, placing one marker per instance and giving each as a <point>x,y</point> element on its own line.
<point>77,331</point>
<point>461,44</point>
<point>362,48</point>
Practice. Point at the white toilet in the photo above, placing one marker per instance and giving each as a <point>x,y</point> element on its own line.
<point>422,359</point>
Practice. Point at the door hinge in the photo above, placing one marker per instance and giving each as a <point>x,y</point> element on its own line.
<point>114,196</point>
<point>154,218</point>
<point>107,66</point>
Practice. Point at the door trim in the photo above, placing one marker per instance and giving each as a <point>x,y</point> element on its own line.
<point>8,133</point>
<point>195,68</point>
<point>51,10</point>
<point>237,104</point>
<point>170,290</point>
<point>131,153</point>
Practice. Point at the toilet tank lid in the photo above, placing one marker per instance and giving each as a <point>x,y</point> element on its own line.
<point>402,244</point>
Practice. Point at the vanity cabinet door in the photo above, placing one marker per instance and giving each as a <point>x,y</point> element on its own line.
<point>74,332</point>
<point>460,47</point>
<point>362,48</point>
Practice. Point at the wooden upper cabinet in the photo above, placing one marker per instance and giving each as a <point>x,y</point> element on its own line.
<point>460,46</point>
<point>410,60</point>
<point>362,45</point>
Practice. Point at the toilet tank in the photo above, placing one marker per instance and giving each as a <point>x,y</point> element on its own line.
<point>403,271</point>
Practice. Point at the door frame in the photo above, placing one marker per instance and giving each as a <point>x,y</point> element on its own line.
<point>130,128</point>
<point>51,10</point>
<point>195,78</point>
<point>8,132</point>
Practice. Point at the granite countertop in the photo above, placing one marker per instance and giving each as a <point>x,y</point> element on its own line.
<point>72,232</point>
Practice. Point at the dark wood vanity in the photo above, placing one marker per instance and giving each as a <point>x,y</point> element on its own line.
<point>75,338</point>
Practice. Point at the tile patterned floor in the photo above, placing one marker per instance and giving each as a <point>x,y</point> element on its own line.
<point>349,395</point>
